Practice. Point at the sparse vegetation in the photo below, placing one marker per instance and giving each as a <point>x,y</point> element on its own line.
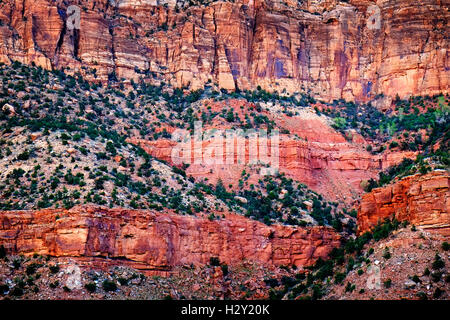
<point>109,285</point>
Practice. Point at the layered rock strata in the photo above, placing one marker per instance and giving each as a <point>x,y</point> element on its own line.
<point>422,200</point>
<point>155,241</point>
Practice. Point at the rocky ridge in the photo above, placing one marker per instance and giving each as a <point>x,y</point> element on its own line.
<point>155,241</point>
<point>402,266</point>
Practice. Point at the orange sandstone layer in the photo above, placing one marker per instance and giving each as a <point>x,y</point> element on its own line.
<point>335,170</point>
<point>155,241</point>
<point>423,200</point>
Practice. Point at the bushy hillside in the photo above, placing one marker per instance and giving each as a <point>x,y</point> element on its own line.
<point>64,142</point>
<point>394,261</point>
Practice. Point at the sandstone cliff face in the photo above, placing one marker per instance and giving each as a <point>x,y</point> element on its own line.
<point>335,170</point>
<point>423,200</point>
<point>158,241</point>
<point>313,153</point>
<point>328,48</point>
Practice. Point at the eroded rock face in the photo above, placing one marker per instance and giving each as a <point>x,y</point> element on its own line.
<point>423,200</point>
<point>335,170</point>
<point>158,241</point>
<point>330,49</point>
<point>313,153</point>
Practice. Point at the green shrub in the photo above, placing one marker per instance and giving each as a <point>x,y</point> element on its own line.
<point>438,263</point>
<point>288,281</point>
<point>394,144</point>
<point>214,261</point>
<point>436,276</point>
<point>339,277</point>
<point>317,292</point>
<point>109,285</point>
<point>224,269</point>
<point>24,155</point>
<point>54,269</point>
<point>422,295</point>
<point>386,254</point>
<point>437,293</point>
<point>271,282</point>
<point>16,264</point>
<point>325,271</point>
<point>31,269</point>
<point>349,287</point>
<point>447,278</point>
<point>91,287</point>
<point>3,289</point>
<point>339,123</point>
<point>16,292</point>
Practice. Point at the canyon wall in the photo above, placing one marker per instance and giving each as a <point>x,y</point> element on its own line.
<point>330,49</point>
<point>155,241</point>
<point>335,170</point>
<point>423,200</point>
<point>313,153</point>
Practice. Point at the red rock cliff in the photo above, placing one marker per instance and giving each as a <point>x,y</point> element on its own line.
<point>313,153</point>
<point>157,241</point>
<point>423,200</point>
<point>328,48</point>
